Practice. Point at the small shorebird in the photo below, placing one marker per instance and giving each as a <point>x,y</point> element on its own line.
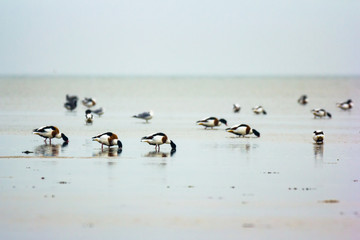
<point>236,108</point>
<point>211,122</point>
<point>259,109</point>
<point>318,136</point>
<point>109,139</point>
<point>158,139</point>
<point>145,115</point>
<point>50,132</point>
<point>345,105</point>
<point>242,129</point>
<point>89,118</point>
<point>89,102</point>
<point>320,113</point>
<point>303,99</point>
<point>98,112</point>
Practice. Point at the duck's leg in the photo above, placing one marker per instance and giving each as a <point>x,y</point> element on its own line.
<point>102,147</point>
<point>50,140</point>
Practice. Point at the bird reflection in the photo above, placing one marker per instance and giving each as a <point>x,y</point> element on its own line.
<point>160,154</point>
<point>49,150</point>
<point>108,152</point>
<point>318,151</point>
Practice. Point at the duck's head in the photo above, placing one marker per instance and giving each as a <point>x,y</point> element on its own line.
<point>65,138</point>
<point>223,121</point>
<point>119,144</point>
<point>173,145</point>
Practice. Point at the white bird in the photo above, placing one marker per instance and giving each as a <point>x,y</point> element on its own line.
<point>345,105</point>
<point>158,139</point>
<point>320,113</point>
<point>236,108</point>
<point>242,129</point>
<point>318,136</point>
<point>50,132</point>
<point>258,110</point>
<point>145,115</point>
<point>89,102</point>
<point>211,122</point>
<point>108,139</point>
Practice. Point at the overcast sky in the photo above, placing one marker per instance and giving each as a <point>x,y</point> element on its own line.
<point>183,37</point>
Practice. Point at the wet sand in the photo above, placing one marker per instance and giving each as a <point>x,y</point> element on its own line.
<point>215,186</point>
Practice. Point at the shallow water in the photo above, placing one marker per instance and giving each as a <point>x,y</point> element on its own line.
<point>215,186</point>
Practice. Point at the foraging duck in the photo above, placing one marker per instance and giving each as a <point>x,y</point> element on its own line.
<point>258,110</point>
<point>158,139</point>
<point>89,102</point>
<point>303,99</point>
<point>89,118</point>
<point>50,132</point>
<point>98,112</point>
<point>345,105</point>
<point>236,108</point>
<point>211,122</point>
<point>145,115</point>
<point>109,139</point>
<point>320,113</point>
<point>318,136</point>
<point>242,130</point>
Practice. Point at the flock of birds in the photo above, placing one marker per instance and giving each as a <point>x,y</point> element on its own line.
<point>110,139</point>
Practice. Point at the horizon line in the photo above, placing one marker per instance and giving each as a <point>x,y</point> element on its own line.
<point>180,75</point>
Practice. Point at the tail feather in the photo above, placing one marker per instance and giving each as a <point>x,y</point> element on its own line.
<point>328,114</point>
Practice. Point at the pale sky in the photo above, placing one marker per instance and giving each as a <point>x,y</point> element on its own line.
<point>184,37</point>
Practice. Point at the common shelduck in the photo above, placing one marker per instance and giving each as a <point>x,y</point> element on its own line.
<point>320,113</point>
<point>303,99</point>
<point>145,115</point>
<point>50,132</point>
<point>211,122</point>
<point>89,118</point>
<point>259,109</point>
<point>242,130</point>
<point>109,139</point>
<point>158,139</point>
<point>318,136</point>
<point>89,102</point>
<point>98,112</point>
<point>345,105</point>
